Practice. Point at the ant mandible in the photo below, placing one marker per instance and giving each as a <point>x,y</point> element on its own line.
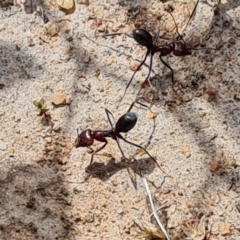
<point>178,48</point>
<point>124,124</point>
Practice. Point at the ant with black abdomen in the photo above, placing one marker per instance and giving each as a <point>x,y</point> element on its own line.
<point>178,47</point>
<point>124,124</point>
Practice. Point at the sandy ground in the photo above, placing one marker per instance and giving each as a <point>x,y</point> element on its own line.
<point>47,194</point>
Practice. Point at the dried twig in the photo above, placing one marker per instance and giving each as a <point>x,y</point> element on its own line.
<point>154,212</point>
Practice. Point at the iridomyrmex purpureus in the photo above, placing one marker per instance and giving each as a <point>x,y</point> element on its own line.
<point>124,124</point>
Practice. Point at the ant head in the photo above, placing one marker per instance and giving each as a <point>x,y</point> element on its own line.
<point>143,37</point>
<point>84,139</point>
<point>126,122</point>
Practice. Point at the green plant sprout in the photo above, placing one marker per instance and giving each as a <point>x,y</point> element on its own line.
<point>41,107</point>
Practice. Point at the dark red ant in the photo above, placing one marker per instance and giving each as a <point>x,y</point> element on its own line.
<point>124,124</point>
<point>178,48</point>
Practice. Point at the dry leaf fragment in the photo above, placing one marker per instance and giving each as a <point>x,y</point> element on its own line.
<point>141,152</point>
<point>65,4</point>
<point>196,231</point>
<point>102,28</point>
<point>52,28</point>
<point>151,114</point>
<point>186,150</point>
<point>96,23</point>
<point>220,44</point>
<point>117,26</point>
<point>150,232</point>
<point>225,229</point>
<point>146,84</point>
<point>201,113</point>
<point>212,94</point>
<point>86,2</point>
<point>214,165</point>
<point>110,60</point>
<point>2,85</point>
<point>86,57</point>
<point>59,98</point>
<point>133,66</point>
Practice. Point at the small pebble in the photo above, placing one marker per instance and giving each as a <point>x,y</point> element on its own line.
<point>201,114</point>
<point>187,97</point>
<point>58,98</point>
<point>52,28</point>
<point>48,139</point>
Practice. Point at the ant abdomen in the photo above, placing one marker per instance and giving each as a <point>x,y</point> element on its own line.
<point>143,37</point>
<point>126,122</point>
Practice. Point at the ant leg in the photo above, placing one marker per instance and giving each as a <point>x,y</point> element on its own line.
<point>109,120</point>
<point>137,101</point>
<point>131,106</point>
<point>133,180</point>
<point>136,145</point>
<point>102,147</point>
<point>150,67</point>
<point>170,69</point>
<point>121,149</point>
<point>129,82</point>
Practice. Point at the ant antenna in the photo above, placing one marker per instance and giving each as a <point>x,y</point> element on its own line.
<point>191,16</point>
<point>170,10</point>
<point>108,116</point>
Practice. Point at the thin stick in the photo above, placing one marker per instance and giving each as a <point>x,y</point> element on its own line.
<point>154,212</point>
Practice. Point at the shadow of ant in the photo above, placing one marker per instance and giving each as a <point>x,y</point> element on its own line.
<point>104,172</point>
